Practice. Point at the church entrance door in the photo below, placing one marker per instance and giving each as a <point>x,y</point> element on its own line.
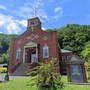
<point>30,54</point>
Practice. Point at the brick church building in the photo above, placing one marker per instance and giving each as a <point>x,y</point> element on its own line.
<point>35,45</point>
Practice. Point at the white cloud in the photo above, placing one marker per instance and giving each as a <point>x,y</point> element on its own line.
<point>25,11</point>
<point>57,9</point>
<point>43,28</point>
<point>22,22</point>
<point>58,12</point>
<point>9,24</point>
<point>29,10</point>
<point>1,32</point>
<point>3,7</point>
<point>12,25</point>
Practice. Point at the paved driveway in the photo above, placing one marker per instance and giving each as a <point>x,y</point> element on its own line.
<point>2,76</point>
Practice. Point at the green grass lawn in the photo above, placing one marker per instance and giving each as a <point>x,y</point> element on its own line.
<point>74,86</point>
<point>21,83</point>
<point>18,83</point>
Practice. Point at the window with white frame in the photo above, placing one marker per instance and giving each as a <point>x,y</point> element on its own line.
<point>18,54</point>
<point>45,51</point>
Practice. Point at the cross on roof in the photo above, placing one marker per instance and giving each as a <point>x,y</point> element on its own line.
<point>35,12</point>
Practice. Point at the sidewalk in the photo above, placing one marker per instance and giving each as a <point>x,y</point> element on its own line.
<point>2,75</point>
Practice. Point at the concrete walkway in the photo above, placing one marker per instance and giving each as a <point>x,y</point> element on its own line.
<point>2,76</point>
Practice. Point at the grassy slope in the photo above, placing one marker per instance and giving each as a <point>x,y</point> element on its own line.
<point>20,83</point>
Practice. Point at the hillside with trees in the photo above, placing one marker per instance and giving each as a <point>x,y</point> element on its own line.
<point>72,37</point>
<point>4,46</point>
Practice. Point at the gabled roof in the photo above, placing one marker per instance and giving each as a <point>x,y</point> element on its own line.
<point>76,59</point>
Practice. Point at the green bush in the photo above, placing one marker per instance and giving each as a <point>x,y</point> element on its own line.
<point>3,70</point>
<point>4,58</point>
<point>46,78</point>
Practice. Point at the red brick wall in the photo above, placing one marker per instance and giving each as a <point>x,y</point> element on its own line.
<point>65,56</point>
<point>22,40</point>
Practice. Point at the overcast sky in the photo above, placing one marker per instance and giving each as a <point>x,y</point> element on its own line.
<point>52,13</point>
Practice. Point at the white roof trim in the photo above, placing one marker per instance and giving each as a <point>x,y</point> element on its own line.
<point>65,51</point>
<point>31,44</point>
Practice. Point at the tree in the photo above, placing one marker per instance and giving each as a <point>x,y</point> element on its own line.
<point>4,46</point>
<point>4,58</point>
<point>86,54</point>
<point>73,37</point>
<point>46,78</point>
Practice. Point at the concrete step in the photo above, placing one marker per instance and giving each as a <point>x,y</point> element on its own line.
<point>21,70</point>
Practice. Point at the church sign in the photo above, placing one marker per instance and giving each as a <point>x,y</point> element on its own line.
<point>76,70</point>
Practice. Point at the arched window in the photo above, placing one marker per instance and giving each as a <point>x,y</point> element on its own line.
<point>18,54</point>
<point>45,51</point>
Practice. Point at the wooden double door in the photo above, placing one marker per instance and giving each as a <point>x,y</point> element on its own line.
<point>30,55</point>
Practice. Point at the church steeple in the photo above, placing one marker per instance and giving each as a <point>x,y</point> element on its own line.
<point>34,23</point>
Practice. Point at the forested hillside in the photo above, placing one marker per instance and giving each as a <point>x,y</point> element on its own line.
<point>71,37</point>
<point>74,37</point>
<point>4,46</point>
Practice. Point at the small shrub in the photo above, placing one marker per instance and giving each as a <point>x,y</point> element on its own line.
<point>4,58</point>
<point>46,78</point>
<point>3,70</point>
